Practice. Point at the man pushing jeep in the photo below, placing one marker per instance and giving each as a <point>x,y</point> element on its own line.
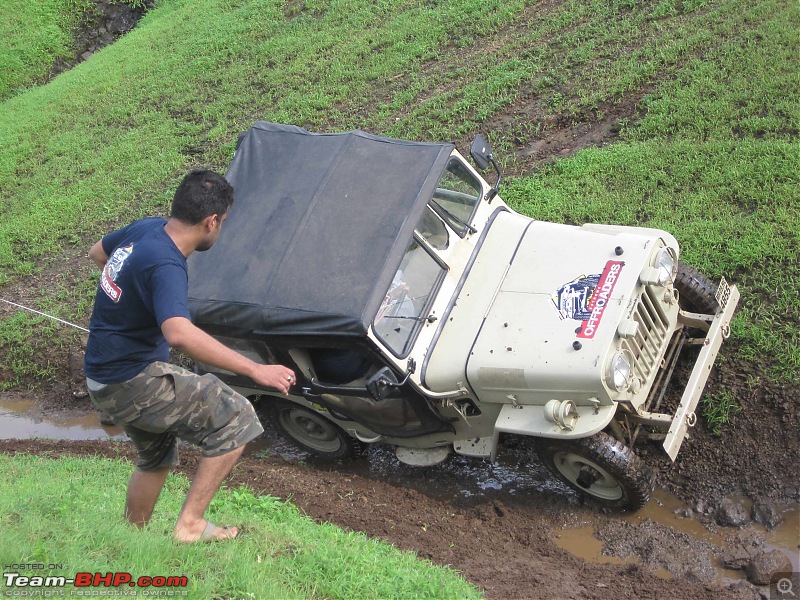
<point>140,311</point>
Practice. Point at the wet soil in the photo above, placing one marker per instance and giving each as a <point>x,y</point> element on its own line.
<point>504,543</point>
<point>99,26</point>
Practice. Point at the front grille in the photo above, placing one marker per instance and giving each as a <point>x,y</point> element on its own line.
<point>648,343</point>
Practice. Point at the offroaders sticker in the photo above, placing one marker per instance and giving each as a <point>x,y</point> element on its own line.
<point>111,272</point>
<point>585,298</point>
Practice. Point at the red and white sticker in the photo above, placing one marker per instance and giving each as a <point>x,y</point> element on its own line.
<point>600,297</point>
<point>111,272</point>
<point>585,298</point>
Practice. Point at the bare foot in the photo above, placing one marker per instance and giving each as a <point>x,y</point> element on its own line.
<point>205,531</point>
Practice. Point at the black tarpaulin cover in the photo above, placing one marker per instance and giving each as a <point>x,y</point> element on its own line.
<point>318,228</point>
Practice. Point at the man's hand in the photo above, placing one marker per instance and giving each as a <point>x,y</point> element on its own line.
<point>276,376</point>
<point>183,335</point>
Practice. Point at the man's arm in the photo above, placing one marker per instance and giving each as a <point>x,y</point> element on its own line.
<point>98,255</point>
<point>183,335</point>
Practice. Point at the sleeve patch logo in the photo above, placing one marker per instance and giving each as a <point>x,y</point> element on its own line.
<point>585,298</point>
<point>112,270</point>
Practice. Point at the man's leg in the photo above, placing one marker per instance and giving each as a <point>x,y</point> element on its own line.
<point>143,491</point>
<point>211,471</point>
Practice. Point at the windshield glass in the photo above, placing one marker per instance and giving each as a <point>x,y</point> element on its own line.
<point>403,309</point>
<point>433,231</point>
<point>456,196</point>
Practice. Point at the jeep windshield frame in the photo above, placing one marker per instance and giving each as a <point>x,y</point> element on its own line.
<point>457,197</point>
<point>409,298</point>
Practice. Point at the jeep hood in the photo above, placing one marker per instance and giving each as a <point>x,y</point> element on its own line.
<point>552,323</point>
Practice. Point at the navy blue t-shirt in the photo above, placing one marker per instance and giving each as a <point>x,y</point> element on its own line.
<point>144,283</point>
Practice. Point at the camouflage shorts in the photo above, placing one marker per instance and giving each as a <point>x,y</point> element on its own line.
<point>165,402</point>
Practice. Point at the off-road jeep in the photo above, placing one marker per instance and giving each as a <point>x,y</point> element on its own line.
<point>419,311</point>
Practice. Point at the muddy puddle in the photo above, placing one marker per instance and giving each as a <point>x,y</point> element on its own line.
<point>21,419</point>
<point>694,540</point>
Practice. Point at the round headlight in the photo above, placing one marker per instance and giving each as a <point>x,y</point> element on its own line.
<point>620,371</point>
<point>666,263</point>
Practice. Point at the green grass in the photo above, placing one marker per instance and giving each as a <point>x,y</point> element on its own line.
<point>26,340</point>
<point>67,512</point>
<point>567,61</point>
<point>718,410</point>
<point>712,159</point>
<point>111,137</point>
<point>33,34</point>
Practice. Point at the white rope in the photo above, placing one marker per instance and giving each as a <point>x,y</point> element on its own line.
<point>45,315</point>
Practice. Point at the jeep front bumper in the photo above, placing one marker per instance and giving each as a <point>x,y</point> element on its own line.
<point>718,329</point>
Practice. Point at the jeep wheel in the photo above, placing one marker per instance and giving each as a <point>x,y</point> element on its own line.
<point>310,430</point>
<point>696,291</point>
<point>600,467</point>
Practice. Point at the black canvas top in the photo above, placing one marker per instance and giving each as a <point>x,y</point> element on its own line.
<point>318,228</point>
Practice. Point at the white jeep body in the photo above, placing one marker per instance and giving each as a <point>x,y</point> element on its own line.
<point>534,311</point>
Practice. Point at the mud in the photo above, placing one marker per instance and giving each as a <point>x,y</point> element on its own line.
<point>99,27</point>
<point>509,527</point>
<point>21,418</point>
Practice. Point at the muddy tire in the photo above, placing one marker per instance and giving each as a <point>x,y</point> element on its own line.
<point>310,430</point>
<point>696,291</point>
<point>599,467</point>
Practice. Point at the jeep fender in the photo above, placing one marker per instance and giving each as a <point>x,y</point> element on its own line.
<point>530,420</point>
<point>668,238</point>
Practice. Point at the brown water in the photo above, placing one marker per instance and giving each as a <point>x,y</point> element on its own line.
<point>21,419</point>
<point>661,509</point>
<point>581,541</point>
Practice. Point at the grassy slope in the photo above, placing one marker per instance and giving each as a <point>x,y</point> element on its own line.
<point>107,141</point>
<point>33,34</point>
<point>66,517</point>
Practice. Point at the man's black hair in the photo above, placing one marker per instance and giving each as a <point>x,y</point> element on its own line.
<point>200,194</point>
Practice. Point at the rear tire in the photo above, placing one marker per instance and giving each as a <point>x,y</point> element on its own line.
<point>309,430</point>
<point>697,292</point>
<point>599,467</point>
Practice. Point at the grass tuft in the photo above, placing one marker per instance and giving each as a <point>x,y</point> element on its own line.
<point>708,149</point>
<point>719,409</point>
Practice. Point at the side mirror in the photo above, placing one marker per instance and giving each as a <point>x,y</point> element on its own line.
<point>481,151</point>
